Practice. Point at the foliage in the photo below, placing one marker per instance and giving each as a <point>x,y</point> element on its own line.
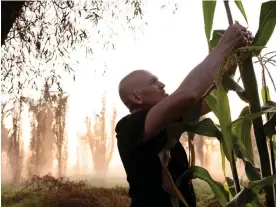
<point>46,35</point>
<point>42,135</point>
<point>59,129</point>
<point>234,136</point>
<point>266,24</point>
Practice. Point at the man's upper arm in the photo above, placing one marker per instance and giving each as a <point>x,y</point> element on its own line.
<point>166,112</point>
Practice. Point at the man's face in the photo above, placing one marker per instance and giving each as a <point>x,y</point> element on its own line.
<point>149,90</point>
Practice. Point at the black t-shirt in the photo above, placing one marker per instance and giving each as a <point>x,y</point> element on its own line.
<point>142,164</point>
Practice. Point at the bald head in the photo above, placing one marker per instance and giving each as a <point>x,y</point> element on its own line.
<point>140,88</point>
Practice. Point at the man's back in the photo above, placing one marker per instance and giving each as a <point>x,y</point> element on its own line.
<point>142,164</point>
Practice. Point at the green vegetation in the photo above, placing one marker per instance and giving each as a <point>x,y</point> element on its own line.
<point>234,136</point>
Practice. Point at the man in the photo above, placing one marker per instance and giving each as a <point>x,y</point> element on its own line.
<point>143,133</point>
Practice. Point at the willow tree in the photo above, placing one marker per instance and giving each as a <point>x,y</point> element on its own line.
<point>60,136</point>
<point>42,135</point>
<point>15,149</point>
<point>4,130</point>
<point>100,141</point>
<point>4,137</point>
<point>40,38</point>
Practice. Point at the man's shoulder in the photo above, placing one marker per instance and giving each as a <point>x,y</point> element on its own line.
<point>130,122</point>
<point>129,132</point>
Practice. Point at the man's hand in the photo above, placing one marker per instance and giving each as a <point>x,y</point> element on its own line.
<point>236,36</point>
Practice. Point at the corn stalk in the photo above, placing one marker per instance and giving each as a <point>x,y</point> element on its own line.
<point>251,87</point>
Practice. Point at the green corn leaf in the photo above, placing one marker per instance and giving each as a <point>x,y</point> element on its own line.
<point>265,94</point>
<point>197,172</point>
<point>231,186</point>
<point>217,34</point>
<point>240,6</point>
<point>206,127</point>
<point>253,116</point>
<point>267,24</point>
<point>208,14</point>
<point>251,171</point>
<point>226,187</point>
<point>242,152</point>
<point>212,102</point>
<point>270,127</point>
<point>222,159</point>
<point>230,84</point>
<point>224,117</point>
<point>274,145</point>
<point>242,132</point>
<point>250,193</point>
<point>268,105</point>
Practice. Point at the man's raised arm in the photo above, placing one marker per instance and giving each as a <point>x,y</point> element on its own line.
<point>195,84</point>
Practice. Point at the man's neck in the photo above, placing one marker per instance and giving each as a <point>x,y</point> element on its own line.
<point>135,110</point>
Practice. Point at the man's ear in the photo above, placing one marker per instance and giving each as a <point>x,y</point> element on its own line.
<point>135,98</point>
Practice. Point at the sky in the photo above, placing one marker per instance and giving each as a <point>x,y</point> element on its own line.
<point>170,46</point>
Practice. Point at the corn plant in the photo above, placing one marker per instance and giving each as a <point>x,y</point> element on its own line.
<point>234,135</point>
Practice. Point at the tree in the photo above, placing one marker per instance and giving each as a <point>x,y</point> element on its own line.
<point>4,138</point>
<point>15,151</point>
<point>45,34</point>
<point>100,141</point>
<point>4,130</point>
<point>60,136</point>
<point>42,134</point>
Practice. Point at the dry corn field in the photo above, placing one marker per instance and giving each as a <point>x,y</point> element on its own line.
<point>48,191</point>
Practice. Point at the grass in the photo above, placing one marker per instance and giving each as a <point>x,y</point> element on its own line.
<point>48,191</point>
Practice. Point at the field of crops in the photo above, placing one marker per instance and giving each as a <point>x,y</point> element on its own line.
<point>50,192</point>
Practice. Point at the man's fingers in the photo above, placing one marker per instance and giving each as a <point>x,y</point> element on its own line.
<point>242,28</point>
<point>247,37</point>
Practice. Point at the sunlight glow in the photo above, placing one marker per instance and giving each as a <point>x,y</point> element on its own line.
<point>171,45</point>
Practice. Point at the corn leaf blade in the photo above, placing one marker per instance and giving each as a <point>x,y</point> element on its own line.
<point>224,117</point>
<point>270,127</point>
<point>206,127</point>
<point>229,84</point>
<point>197,172</point>
<point>222,159</point>
<point>242,132</point>
<point>241,8</point>
<point>248,194</point>
<point>267,24</point>
<point>253,116</point>
<point>217,34</point>
<point>208,14</point>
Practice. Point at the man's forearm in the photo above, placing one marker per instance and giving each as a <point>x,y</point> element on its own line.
<point>202,76</point>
